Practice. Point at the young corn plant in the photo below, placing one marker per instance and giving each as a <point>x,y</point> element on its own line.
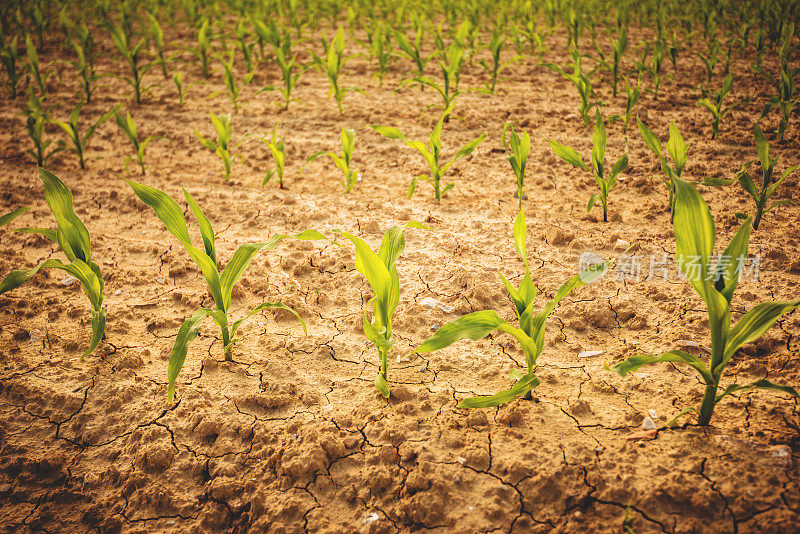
<point>529,333</point>
<point>762,192</point>
<point>695,238</point>
<point>157,38</point>
<point>9,56</point>
<point>598,168</point>
<point>716,107</point>
<point>72,237</point>
<point>517,152</point>
<point>450,61</point>
<point>432,154</point>
<point>242,36</point>
<point>291,70</point>
<point>413,50</point>
<point>787,97</point>
<point>220,284</point>
<point>71,128</point>
<point>222,146</point>
<point>618,47</point>
<point>85,71</point>
<point>380,48</point>
<point>710,60</point>
<point>132,56</point>
<point>277,146</point>
<point>180,88</point>
<point>203,48</point>
<point>331,67</point>
<point>582,83</point>
<point>381,274</point>
<point>34,70</point>
<point>128,127</point>
<point>496,67</point>
<point>632,98</point>
<point>343,161</point>
<point>37,119</point>
<point>233,89</point>
<point>676,148</point>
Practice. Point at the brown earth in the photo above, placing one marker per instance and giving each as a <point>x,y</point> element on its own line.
<point>292,436</point>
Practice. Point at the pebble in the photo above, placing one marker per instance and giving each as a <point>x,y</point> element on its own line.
<point>621,244</point>
<point>589,353</point>
<point>68,280</point>
<point>688,343</point>
<point>36,335</point>
<point>648,423</point>
<point>431,302</point>
<point>4,488</point>
<point>653,413</point>
<point>462,460</point>
<point>435,327</point>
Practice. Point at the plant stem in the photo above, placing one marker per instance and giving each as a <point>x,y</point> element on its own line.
<point>709,401</point>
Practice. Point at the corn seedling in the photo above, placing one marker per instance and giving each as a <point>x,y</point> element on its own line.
<point>157,38</point>
<point>715,104</point>
<point>128,127</point>
<point>222,146</point>
<point>71,128</point>
<point>290,70</point>
<point>432,154</point>
<point>381,274</point>
<point>72,237</point>
<point>331,67</point>
<point>233,89</point>
<point>762,192</point>
<point>37,119</point>
<point>529,333</point>
<point>450,62</point>
<point>9,56</point>
<point>496,67</point>
<point>598,168</point>
<point>85,71</point>
<point>132,56</point>
<point>694,248</point>
<point>787,97</point>
<point>277,147</point>
<point>710,60</point>
<point>517,151</point>
<point>618,47</point>
<point>676,148</point>
<point>413,50</point>
<point>180,88</point>
<point>632,98</point>
<point>203,48</point>
<point>343,161</point>
<point>34,70</point>
<point>220,284</point>
<point>242,36</point>
<point>380,48</point>
<point>582,83</point>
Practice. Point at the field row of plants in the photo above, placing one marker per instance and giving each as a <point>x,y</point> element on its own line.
<point>430,46</point>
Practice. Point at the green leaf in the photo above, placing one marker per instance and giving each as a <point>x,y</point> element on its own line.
<point>758,384</point>
<point>676,148</point>
<point>167,210</point>
<point>731,261</point>
<point>59,198</point>
<point>520,234</point>
<point>387,131</point>
<point>206,231</point>
<point>49,233</point>
<point>568,154</point>
<point>650,139</point>
<point>264,306</point>
<point>754,324</point>
<point>717,182</point>
<point>674,356</point>
<point>8,217</point>
<point>520,388</point>
<point>98,329</point>
<point>382,386</point>
<point>472,326</point>
<point>186,334</point>
<point>599,144</point>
